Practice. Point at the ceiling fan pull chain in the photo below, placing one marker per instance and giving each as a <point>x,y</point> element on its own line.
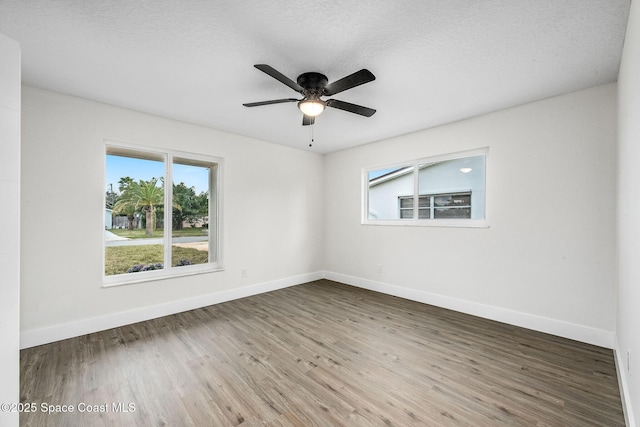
<point>312,125</point>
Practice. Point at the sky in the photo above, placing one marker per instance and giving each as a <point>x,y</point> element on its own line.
<point>380,172</point>
<point>118,167</point>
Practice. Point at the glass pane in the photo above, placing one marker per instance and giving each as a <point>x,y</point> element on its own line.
<point>424,213</point>
<point>452,213</point>
<point>406,214</point>
<point>424,201</point>
<point>461,199</point>
<point>406,202</point>
<point>455,182</point>
<point>442,201</point>
<point>387,190</point>
<point>133,213</point>
<point>190,214</point>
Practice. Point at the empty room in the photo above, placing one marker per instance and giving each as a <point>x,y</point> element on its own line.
<point>379,213</point>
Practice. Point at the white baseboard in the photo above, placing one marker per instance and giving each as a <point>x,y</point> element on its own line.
<point>621,368</point>
<point>39,336</point>
<point>556,327</point>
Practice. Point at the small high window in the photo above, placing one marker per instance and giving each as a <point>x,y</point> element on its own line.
<point>442,190</point>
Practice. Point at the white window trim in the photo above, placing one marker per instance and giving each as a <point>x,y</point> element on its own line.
<point>155,275</point>
<point>443,222</point>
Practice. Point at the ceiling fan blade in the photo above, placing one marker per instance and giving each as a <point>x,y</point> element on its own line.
<point>308,120</point>
<point>356,79</point>
<point>274,101</point>
<point>352,108</point>
<point>279,76</point>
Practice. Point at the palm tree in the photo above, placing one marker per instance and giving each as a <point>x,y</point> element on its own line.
<point>144,196</point>
<point>148,195</point>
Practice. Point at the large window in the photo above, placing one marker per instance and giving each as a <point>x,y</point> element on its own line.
<point>152,229</point>
<point>441,190</point>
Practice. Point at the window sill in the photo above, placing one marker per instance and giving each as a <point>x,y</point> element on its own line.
<point>458,223</point>
<point>152,276</point>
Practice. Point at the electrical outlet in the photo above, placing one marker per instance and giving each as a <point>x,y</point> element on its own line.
<point>245,272</point>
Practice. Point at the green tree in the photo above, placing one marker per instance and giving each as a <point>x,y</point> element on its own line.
<point>125,203</point>
<point>141,196</point>
<point>192,207</point>
<point>185,197</point>
<point>148,195</point>
<point>202,203</point>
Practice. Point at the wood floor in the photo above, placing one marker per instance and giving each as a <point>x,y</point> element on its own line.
<point>320,354</point>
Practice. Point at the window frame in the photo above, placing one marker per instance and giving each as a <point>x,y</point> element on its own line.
<point>215,213</point>
<point>424,222</point>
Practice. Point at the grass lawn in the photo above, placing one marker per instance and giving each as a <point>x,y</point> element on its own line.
<point>139,233</point>
<point>121,258</point>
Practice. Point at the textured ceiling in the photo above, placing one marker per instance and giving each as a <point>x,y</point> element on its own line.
<point>435,61</point>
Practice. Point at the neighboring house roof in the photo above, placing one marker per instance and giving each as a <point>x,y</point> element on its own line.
<point>394,174</point>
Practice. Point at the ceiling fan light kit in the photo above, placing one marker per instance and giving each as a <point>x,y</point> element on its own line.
<point>311,107</point>
<point>312,86</point>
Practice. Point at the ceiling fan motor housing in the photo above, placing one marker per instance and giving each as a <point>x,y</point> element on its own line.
<point>313,82</point>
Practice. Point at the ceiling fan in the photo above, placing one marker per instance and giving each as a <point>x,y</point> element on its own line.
<point>313,86</point>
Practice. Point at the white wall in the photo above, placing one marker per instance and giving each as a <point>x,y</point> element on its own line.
<point>272,217</point>
<point>628,326</point>
<point>546,262</point>
<point>9,227</point>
